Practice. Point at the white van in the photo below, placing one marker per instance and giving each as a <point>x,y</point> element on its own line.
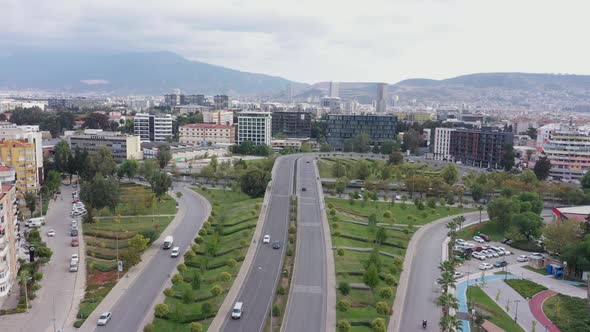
<point>236,313</point>
<point>168,241</point>
<point>36,222</point>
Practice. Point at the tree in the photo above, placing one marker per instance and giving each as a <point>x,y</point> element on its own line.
<point>138,243</point>
<point>396,158</point>
<point>371,277</point>
<point>160,183</point>
<point>528,224</point>
<point>476,192</point>
<point>450,323</point>
<point>338,169</point>
<point>253,182</point>
<point>102,162</point>
<point>507,157</point>
<point>101,192</point>
<point>344,288</point>
<point>361,143</point>
<point>62,156</point>
<point>560,234</point>
<point>378,325</point>
<point>585,181</point>
<point>376,149</point>
<point>344,325</point>
<point>341,184</point>
<point>501,210</point>
<point>387,147</point>
<point>532,132</point>
<point>97,121</point>
<point>542,168</point>
<point>196,327</point>
<point>362,170</point>
<point>412,140</point>
<point>164,155</point>
<point>306,147</point>
<point>128,168</point>
<point>326,148</point>
<point>380,235</point>
<point>31,201</point>
<point>447,301</point>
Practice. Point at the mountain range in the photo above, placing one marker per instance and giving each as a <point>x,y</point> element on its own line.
<point>157,73</point>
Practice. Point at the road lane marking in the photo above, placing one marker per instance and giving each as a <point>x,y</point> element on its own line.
<point>309,224</point>
<point>307,289</point>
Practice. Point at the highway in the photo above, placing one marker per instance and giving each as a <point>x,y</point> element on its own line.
<point>422,291</point>
<point>306,309</point>
<point>260,284</point>
<point>137,301</point>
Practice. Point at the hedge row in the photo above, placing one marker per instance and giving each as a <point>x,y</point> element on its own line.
<point>237,222</point>
<point>222,264</point>
<point>225,252</point>
<point>110,235</point>
<point>360,322</point>
<point>97,254</point>
<point>239,229</point>
<point>351,273</point>
<point>351,237</point>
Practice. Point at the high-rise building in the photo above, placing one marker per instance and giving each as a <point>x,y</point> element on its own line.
<point>32,134</point>
<point>381,97</point>
<point>344,127</point>
<point>195,100</point>
<point>20,154</point>
<point>442,144</point>
<point>480,147</point>
<point>219,117</point>
<point>290,93</point>
<point>221,102</point>
<point>121,146</point>
<point>568,149</point>
<point>255,127</point>
<point>173,99</point>
<point>334,90</point>
<point>291,124</point>
<point>153,127</point>
<point>332,104</point>
<point>9,237</point>
<point>207,133</point>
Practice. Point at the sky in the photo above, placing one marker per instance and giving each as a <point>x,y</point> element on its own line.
<point>318,40</point>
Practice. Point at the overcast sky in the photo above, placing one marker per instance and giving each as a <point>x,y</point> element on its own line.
<point>318,40</point>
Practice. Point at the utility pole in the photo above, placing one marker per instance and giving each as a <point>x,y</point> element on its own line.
<point>516,314</point>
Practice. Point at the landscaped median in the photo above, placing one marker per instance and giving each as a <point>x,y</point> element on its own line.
<point>211,265</point>
<point>137,225</point>
<point>370,241</point>
<point>490,310</point>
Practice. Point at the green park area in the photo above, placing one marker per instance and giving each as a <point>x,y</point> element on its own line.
<point>525,288</point>
<point>210,265</point>
<point>371,240</point>
<point>489,310</point>
<point>135,226</point>
<point>568,313</point>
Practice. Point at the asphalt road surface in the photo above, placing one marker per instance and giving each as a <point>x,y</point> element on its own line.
<point>259,286</point>
<point>136,303</point>
<point>422,290</point>
<point>307,300</point>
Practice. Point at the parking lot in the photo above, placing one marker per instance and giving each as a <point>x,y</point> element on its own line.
<point>471,266</point>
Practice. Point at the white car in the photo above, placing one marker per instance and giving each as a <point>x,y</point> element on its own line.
<point>175,252</point>
<point>51,233</point>
<point>104,318</point>
<point>485,266</point>
<point>494,253</point>
<point>478,255</point>
<point>460,242</point>
<point>478,239</point>
<point>488,254</point>
<point>266,239</point>
<point>75,257</point>
<point>398,197</point>
<point>522,258</point>
<point>458,275</point>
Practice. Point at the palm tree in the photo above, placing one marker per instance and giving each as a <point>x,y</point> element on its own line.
<point>447,301</point>
<point>447,266</point>
<point>450,323</point>
<point>446,280</point>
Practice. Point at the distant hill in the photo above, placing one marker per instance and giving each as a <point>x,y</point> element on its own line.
<point>153,73</point>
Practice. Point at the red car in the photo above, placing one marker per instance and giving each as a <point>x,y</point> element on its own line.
<point>484,237</point>
<point>478,249</point>
<point>75,242</point>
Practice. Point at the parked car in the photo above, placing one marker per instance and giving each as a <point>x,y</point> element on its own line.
<point>75,257</point>
<point>75,242</point>
<point>522,258</point>
<point>477,249</point>
<point>175,252</point>
<point>488,254</point>
<point>104,318</point>
<point>74,232</point>
<point>458,274</point>
<point>478,239</point>
<point>500,264</point>
<point>478,255</point>
<point>51,233</point>
<point>266,239</point>
<point>303,189</point>
<point>484,237</point>
<point>460,241</point>
<point>485,266</point>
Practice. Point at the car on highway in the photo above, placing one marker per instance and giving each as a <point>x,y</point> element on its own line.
<point>522,258</point>
<point>75,242</point>
<point>307,162</point>
<point>51,233</point>
<point>238,310</point>
<point>266,239</point>
<point>500,263</point>
<point>104,318</point>
<point>175,252</point>
<point>478,239</point>
<point>276,245</point>
<point>485,266</point>
<point>303,189</point>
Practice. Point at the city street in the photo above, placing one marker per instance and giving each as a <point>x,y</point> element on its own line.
<point>57,301</point>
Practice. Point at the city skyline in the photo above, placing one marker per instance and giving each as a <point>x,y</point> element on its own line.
<point>309,42</point>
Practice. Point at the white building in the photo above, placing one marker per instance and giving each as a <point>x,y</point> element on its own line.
<point>442,143</point>
<point>153,127</point>
<point>10,131</point>
<point>207,133</point>
<point>219,117</point>
<point>568,150</point>
<point>122,146</point>
<point>9,238</point>
<point>255,127</point>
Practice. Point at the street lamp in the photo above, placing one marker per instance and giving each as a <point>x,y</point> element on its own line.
<point>516,314</point>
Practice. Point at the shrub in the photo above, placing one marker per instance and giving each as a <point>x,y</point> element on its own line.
<point>196,327</point>
<point>281,290</point>
<point>195,247</point>
<point>292,229</point>
<point>188,295</point>
<point>382,308</point>
<point>203,232</point>
<point>340,252</point>
<point>344,288</point>
<point>149,328</point>
<point>198,239</point>
<point>181,267</point>
<point>343,305</point>
<point>289,252</point>
<point>431,202</point>
<point>206,308</point>
<point>387,214</point>
<point>276,310</point>
<point>390,280</point>
<point>177,278</point>
<point>344,325</point>
<point>386,292</point>
<point>330,206</point>
<point>168,292</point>
<point>161,310</point>
<point>378,325</point>
<point>189,254</point>
<point>231,262</point>
<point>216,290</point>
<point>224,277</point>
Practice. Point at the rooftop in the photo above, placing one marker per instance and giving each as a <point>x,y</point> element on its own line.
<point>206,125</point>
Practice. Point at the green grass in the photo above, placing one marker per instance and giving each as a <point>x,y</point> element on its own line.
<point>489,228</point>
<point>541,270</point>
<point>136,224</point>
<point>135,200</point>
<point>525,288</point>
<point>228,208</point>
<point>568,313</point>
<point>491,310</point>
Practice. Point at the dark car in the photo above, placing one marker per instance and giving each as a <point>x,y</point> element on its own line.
<point>484,237</point>
<point>500,264</point>
<point>303,189</point>
<point>74,232</point>
<point>307,162</point>
<point>276,245</point>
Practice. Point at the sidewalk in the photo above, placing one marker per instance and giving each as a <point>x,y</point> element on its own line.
<point>551,283</point>
<point>536,306</point>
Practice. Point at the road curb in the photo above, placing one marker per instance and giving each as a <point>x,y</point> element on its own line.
<point>231,295</point>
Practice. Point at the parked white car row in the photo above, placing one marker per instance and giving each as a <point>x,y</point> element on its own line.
<point>490,252</point>
<point>78,208</point>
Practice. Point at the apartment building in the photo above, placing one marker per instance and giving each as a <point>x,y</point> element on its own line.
<point>479,147</point>
<point>121,146</point>
<point>20,154</point>
<point>218,117</point>
<point>342,127</point>
<point>442,144</point>
<point>291,124</point>
<point>255,127</point>
<point>32,134</point>
<point>199,133</point>
<point>153,127</point>
<point>568,149</point>
<point>221,102</point>
<point>9,238</point>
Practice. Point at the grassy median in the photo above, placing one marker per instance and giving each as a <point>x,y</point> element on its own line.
<point>490,309</point>
<point>212,263</point>
<point>568,313</point>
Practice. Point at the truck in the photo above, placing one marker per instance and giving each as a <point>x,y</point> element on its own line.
<point>168,242</point>
<point>35,222</point>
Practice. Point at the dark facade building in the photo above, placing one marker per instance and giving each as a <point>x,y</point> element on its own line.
<point>195,100</point>
<point>342,127</point>
<point>221,102</point>
<point>291,124</point>
<point>481,147</point>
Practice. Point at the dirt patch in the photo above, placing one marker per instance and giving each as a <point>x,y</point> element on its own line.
<point>361,304</point>
<point>100,278</point>
<point>474,227</point>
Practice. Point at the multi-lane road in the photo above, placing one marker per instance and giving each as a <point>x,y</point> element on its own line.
<point>137,301</point>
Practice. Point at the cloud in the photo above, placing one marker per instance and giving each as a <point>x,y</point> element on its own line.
<point>310,40</point>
